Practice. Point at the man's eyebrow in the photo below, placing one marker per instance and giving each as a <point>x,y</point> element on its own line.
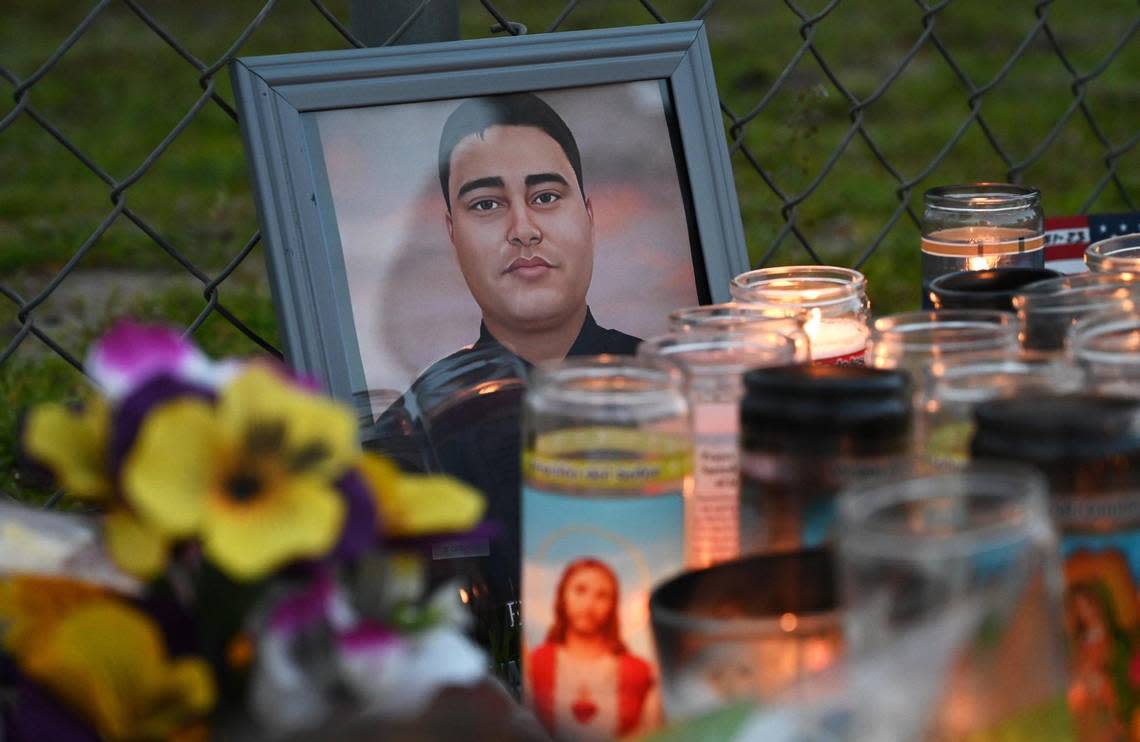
<point>493,181</point>
<point>540,178</point>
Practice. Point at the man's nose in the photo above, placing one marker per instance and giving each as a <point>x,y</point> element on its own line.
<point>523,230</point>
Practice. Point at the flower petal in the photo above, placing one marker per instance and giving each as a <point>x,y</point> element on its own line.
<point>72,444</point>
<point>134,409</point>
<point>130,354</point>
<point>138,549</point>
<point>169,470</point>
<point>359,532</point>
<point>301,519</point>
<point>320,435</point>
<point>422,504</point>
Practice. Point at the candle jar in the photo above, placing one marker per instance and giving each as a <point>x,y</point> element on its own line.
<point>980,226</point>
<point>746,630</point>
<point>735,317</point>
<point>1089,449</point>
<point>1048,310</point>
<point>806,433</point>
<point>957,573</point>
<point>917,341</point>
<point>607,461</point>
<point>948,395</point>
<point>1107,346</point>
<point>1114,255</point>
<point>987,289</point>
<point>713,365</point>
<point>835,299</point>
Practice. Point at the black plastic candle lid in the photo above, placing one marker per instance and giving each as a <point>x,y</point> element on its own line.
<point>1040,427</point>
<point>819,400</point>
<point>985,289</point>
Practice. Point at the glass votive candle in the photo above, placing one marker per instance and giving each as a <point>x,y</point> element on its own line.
<point>963,570</point>
<point>947,396</point>
<point>737,317</point>
<point>980,226</point>
<point>834,298</point>
<point>713,365</point>
<point>993,288</point>
<point>1107,346</point>
<point>745,630</point>
<point>607,459</point>
<point>1048,310</point>
<point>1115,254</point>
<point>917,341</point>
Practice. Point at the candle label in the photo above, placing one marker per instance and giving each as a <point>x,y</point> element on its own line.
<point>964,242</point>
<point>712,517</point>
<point>589,665</point>
<point>849,359</point>
<point>1100,547</point>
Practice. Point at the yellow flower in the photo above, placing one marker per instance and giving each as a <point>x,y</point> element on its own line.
<point>254,475</point>
<point>418,504</point>
<point>72,444</point>
<point>107,662</point>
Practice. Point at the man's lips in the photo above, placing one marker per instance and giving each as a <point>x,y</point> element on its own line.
<point>528,267</point>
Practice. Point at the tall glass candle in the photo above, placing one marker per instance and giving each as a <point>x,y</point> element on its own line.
<point>834,298</point>
<point>1048,310</point>
<point>980,226</point>
<point>713,365</point>
<point>918,341</point>
<point>607,460</point>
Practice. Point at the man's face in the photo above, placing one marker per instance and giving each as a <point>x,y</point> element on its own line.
<point>589,600</point>
<point>522,231</point>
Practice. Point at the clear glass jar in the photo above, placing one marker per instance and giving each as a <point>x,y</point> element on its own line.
<point>1048,310</point>
<point>951,582</point>
<point>736,317</point>
<point>806,432</point>
<point>713,365</point>
<point>835,299</point>
<point>917,341</point>
<point>1107,346</point>
<point>1088,447</point>
<point>722,641</point>
<point>947,396</point>
<point>979,226</point>
<point>1115,254</point>
<point>607,464</point>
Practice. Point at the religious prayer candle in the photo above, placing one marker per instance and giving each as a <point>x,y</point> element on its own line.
<point>1088,448</point>
<point>607,465</point>
<point>978,227</point>
<point>713,365</point>
<point>834,298</point>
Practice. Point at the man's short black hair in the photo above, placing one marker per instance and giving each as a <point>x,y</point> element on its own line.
<point>477,115</point>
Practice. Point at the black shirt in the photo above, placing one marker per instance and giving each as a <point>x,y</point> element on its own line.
<point>462,416</point>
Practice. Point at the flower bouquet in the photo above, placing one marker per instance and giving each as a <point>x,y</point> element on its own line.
<point>242,565</point>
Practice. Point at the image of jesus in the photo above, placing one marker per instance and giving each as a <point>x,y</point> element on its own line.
<point>583,682</point>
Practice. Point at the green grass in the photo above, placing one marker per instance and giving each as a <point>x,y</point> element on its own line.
<point>120,90</point>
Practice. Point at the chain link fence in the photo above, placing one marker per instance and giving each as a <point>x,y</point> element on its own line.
<point>1042,92</point>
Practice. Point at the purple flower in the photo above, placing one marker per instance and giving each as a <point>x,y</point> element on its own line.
<point>130,354</point>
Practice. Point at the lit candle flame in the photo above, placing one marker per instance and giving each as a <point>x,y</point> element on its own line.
<point>980,263</point>
<point>788,622</point>
<point>463,596</point>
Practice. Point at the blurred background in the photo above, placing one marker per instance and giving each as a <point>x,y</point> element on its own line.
<point>125,189</point>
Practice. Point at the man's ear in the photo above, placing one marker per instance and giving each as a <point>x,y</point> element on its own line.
<point>590,210</point>
<point>450,226</point>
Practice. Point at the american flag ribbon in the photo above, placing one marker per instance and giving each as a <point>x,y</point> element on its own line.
<point>1066,237</point>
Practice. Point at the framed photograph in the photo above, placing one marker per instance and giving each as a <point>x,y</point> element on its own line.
<point>439,218</point>
<point>376,272</point>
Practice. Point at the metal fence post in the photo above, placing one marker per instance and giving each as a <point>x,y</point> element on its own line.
<point>376,22</point>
